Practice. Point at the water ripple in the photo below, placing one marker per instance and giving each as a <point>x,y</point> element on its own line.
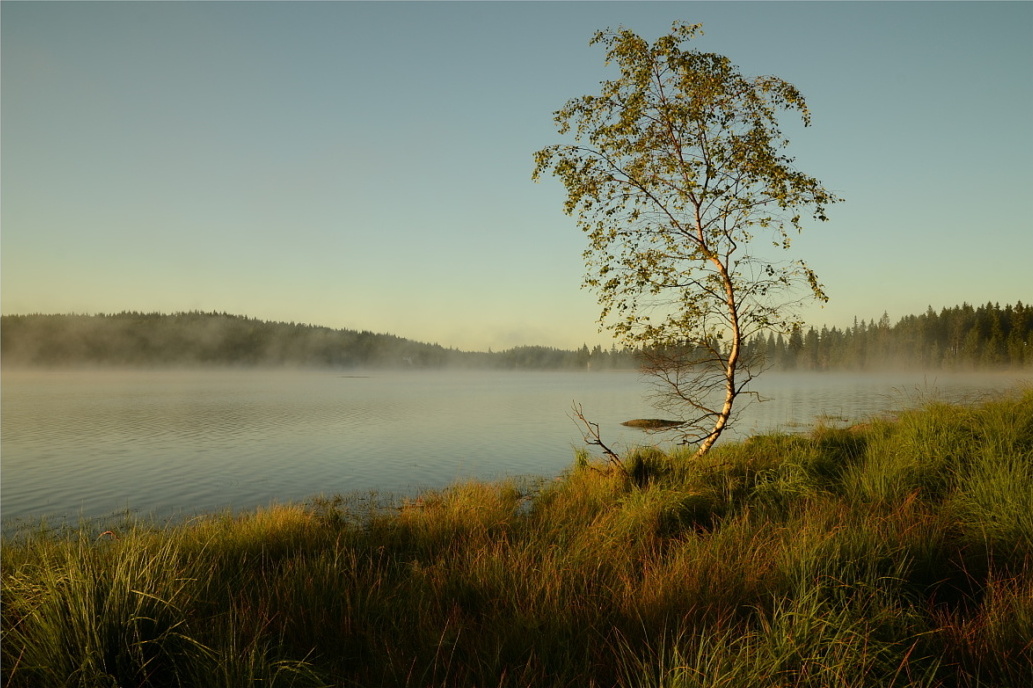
<point>94,443</point>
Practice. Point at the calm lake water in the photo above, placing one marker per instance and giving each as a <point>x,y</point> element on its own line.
<point>91,444</point>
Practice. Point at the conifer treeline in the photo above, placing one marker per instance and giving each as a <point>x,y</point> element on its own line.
<point>197,338</point>
<point>218,339</point>
<point>959,338</point>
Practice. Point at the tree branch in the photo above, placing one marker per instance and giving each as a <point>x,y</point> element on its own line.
<point>590,432</point>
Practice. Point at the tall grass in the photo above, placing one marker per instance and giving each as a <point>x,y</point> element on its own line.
<point>897,553</point>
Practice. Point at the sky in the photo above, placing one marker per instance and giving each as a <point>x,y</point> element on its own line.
<point>368,165</point>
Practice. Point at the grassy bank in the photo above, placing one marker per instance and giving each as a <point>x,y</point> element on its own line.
<point>897,553</point>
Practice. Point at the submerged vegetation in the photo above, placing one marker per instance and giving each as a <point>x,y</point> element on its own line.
<point>894,553</point>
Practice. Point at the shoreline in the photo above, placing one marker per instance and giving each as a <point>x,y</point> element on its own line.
<point>864,555</point>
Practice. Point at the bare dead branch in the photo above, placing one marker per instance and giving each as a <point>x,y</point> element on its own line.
<point>591,434</point>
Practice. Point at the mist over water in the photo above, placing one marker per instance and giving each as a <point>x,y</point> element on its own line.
<point>174,443</point>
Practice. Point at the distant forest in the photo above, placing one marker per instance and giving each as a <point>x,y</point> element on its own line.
<point>219,339</point>
<point>959,338</point>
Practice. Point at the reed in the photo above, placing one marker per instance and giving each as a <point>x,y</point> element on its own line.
<point>897,553</point>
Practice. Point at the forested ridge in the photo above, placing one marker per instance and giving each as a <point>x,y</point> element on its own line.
<point>958,338</point>
<point>220,339</point>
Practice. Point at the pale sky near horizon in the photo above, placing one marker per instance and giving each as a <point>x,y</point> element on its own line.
<point>367,165</point>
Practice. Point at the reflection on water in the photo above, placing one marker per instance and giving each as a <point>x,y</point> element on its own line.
<point>796,401</point>
<point>90,443</point>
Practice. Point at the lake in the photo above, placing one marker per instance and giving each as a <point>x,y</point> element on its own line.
<point>93,444</point>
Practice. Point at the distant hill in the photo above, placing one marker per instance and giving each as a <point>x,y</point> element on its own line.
<point>219,339</point>
<point>194,338</point>
<point>959,338</point>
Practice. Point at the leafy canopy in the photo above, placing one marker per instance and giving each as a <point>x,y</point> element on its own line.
<point>678,164</point>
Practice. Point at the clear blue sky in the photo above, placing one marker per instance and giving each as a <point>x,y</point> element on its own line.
<point>367,165</point>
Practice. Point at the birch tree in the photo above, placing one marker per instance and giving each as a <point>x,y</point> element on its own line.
<point>678,176</point>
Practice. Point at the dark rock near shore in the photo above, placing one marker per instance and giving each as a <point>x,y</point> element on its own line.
<point>652,423</point>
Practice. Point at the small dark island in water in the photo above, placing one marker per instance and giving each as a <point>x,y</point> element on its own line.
<point>652,423</point>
